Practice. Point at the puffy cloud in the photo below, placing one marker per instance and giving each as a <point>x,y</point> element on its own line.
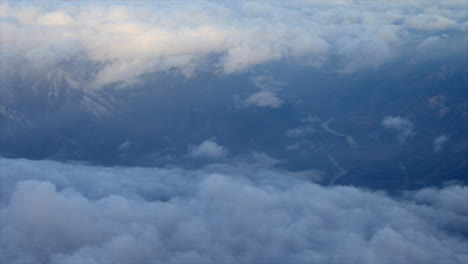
<point>68,213</point>
<point>402,126</point>
<point>267,83</point>
<point>454,198</point>
<point>363,51</point>
<point>439,142</point>
<point>268,96</point>
<point>124,42</point>
<point>431,22</point>
<point>208,149</point>
<point>54,19</point>
<point>264,99</point>
<point>429,42</point>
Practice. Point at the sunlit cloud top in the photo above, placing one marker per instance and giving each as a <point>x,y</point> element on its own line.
<point>128,39</point>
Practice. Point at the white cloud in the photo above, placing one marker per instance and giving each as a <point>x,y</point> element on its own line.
<point>54,19</point>
<point>267,83</point>
<point>208,149</point>
<point>402,126</point>
<point>430,22</point>
<point>126,41</point>
<point>68,213</point>
<point>429,42</point>
<point>264,99</point>
<point>363,51</point>
<point>268,96</point>
<point>439,142</point>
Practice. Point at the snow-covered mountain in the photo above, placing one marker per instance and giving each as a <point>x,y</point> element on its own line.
<point>39,111</point>
<point>399,121</point>
<point>34,94</point>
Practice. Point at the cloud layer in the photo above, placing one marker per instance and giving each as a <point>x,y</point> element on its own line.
<point>123,42</point>
<point>225,213</point>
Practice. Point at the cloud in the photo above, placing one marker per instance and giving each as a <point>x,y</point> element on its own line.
<point>439,142</point>
<point>454,198</point>
<point>402,126</point>
<point>54,19</point>
<point>464,26</point>
<point>69,213</point>
<point>124,146</point>
<point>208,149</point>
<point>122,42</point>
<point>300,131</point>
<point>264,99</point>
<point>438,103</point>
<point>267,97</point>
<point>267,83</point>
<point>431,22</point>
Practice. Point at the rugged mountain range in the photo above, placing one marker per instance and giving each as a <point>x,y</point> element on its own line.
<point>328,121</point>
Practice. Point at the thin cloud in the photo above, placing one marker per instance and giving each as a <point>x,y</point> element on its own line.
<point>439,143</point>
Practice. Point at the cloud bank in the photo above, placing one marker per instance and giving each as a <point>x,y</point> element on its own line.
<point>122,42</point>
<point>225,213</point>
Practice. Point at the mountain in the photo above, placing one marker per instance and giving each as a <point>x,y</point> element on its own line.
<point>327,121</point>
<point>36,108</point>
